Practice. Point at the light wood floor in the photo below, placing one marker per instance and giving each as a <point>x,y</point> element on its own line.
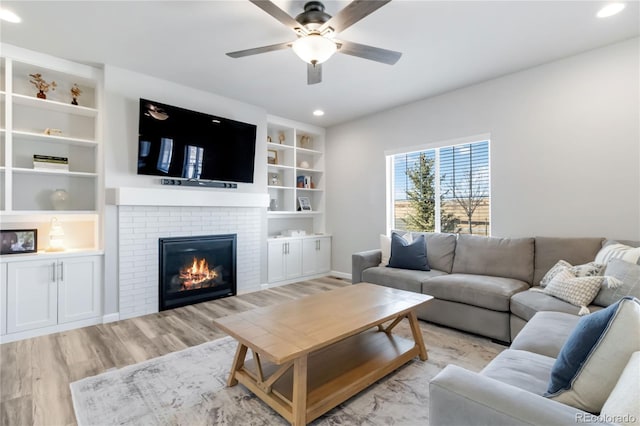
<point>35,373</point>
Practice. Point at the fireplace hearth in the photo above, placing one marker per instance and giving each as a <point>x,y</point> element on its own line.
<point>196,269</point>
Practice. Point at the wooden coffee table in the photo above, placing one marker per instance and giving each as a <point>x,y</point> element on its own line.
<point>311,354</point>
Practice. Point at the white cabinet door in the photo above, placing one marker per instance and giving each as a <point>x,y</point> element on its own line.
<point>32,298</point>
<point>275,262</point>
<point>284,260</point>
<point>293,259</point>
<point>79,288</point>
<point>316,255</point>
<point>3,298</point>
<point>323,257</point>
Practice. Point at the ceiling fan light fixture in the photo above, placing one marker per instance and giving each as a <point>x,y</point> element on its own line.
<point>314,48</point>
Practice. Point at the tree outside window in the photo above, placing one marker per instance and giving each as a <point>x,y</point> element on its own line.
<point>463,190</point>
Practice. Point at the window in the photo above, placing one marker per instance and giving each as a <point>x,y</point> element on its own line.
<point>457,201</point>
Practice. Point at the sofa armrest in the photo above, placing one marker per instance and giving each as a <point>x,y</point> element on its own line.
<point>363,260</point>
<point>461,397</point>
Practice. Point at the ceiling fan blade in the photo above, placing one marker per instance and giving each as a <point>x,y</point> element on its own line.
<point>369,52</point>
<point>355,11</point>
<point>278,13</point>
<point>256,50</point>
<point>314,73</point>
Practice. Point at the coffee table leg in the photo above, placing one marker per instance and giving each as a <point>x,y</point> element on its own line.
<point>299,402</point>
<point>238,362</point>
<point>417,335</point>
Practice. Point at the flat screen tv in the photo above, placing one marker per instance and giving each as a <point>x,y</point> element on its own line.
<point>179,143</point>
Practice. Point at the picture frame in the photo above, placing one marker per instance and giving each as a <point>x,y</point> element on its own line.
<point>304,204</point>
<point>272,156</point>
<point>18,241</point>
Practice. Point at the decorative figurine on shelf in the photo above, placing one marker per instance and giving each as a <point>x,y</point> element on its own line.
<point>42,86</point>
<point>305,141</point>
<point>269,139</point>
<point>274,180</point>
<point>281,137</point>
<point>75,92</point>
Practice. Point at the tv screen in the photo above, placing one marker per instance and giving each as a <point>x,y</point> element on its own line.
<point>179,143</point>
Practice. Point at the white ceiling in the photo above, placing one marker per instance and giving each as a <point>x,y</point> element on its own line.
<point>445,45</point>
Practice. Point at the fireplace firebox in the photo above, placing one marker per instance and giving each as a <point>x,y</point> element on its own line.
<point>196,269</point>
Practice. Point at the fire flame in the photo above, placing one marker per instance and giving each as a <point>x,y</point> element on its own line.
<point>197,273</point>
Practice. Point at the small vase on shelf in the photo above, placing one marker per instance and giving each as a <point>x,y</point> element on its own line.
<point>60,199</point>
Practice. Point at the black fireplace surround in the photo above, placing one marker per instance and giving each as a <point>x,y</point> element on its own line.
<point>195,269</point>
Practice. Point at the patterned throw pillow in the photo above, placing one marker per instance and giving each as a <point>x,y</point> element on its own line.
<point>558,267</point>
<point>615,250</point>
<point>587,270</point>
<point>590,269</point>
<point>579,291</point>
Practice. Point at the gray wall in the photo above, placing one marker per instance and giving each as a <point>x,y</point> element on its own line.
<point>565,151</point>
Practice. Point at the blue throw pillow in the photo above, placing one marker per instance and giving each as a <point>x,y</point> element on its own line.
<point>577,348</point>
<point>408,255</point>
<point>594,356</point>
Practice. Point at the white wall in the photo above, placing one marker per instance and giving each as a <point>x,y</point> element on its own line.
<point>122,91</point>
<point>565,151</point>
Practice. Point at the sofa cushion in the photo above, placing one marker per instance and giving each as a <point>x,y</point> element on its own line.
<point>496,257</point>
<point>477,290</point>
<point>403,279</point>
<point>525,304</point>
<point>406,255</point>
<point>440,249</point>
<point>629,276</point>
<point>594,356</point>
<point>550,250</point>
<point>546,333</point>
<point>525,370</point>
<point>624,400</point>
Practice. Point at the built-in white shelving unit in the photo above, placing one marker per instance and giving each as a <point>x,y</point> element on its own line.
<point>296,169</point>
<point>46,291</point>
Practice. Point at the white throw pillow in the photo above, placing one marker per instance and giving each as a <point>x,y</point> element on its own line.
<point>623,404</point>
<point>385,246</point>
<point>618,251</point>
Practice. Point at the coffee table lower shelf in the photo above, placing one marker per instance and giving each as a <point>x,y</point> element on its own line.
<point>334,373</point>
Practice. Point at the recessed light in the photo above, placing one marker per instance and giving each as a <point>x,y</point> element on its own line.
<point>318,113</point>
<point>9,16</point>
<point>610,10</point>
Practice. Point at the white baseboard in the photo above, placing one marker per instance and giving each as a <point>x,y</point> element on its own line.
<point>111,318</point>
<point>342,275</point>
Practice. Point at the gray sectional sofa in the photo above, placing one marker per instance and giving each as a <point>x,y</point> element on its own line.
<point>509,390</point>
<point>482,284</point>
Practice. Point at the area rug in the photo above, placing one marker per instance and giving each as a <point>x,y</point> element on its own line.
<point>189,388</point>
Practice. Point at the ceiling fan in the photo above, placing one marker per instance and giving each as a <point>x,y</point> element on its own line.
<point>315,30</point>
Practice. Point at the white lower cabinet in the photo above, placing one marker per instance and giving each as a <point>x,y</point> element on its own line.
<point>285,260</point>
<point>292,258</point>
<point>316,255</point>
<point>54,291</point>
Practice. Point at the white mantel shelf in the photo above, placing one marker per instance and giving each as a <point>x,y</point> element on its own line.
<point>184,197</point>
